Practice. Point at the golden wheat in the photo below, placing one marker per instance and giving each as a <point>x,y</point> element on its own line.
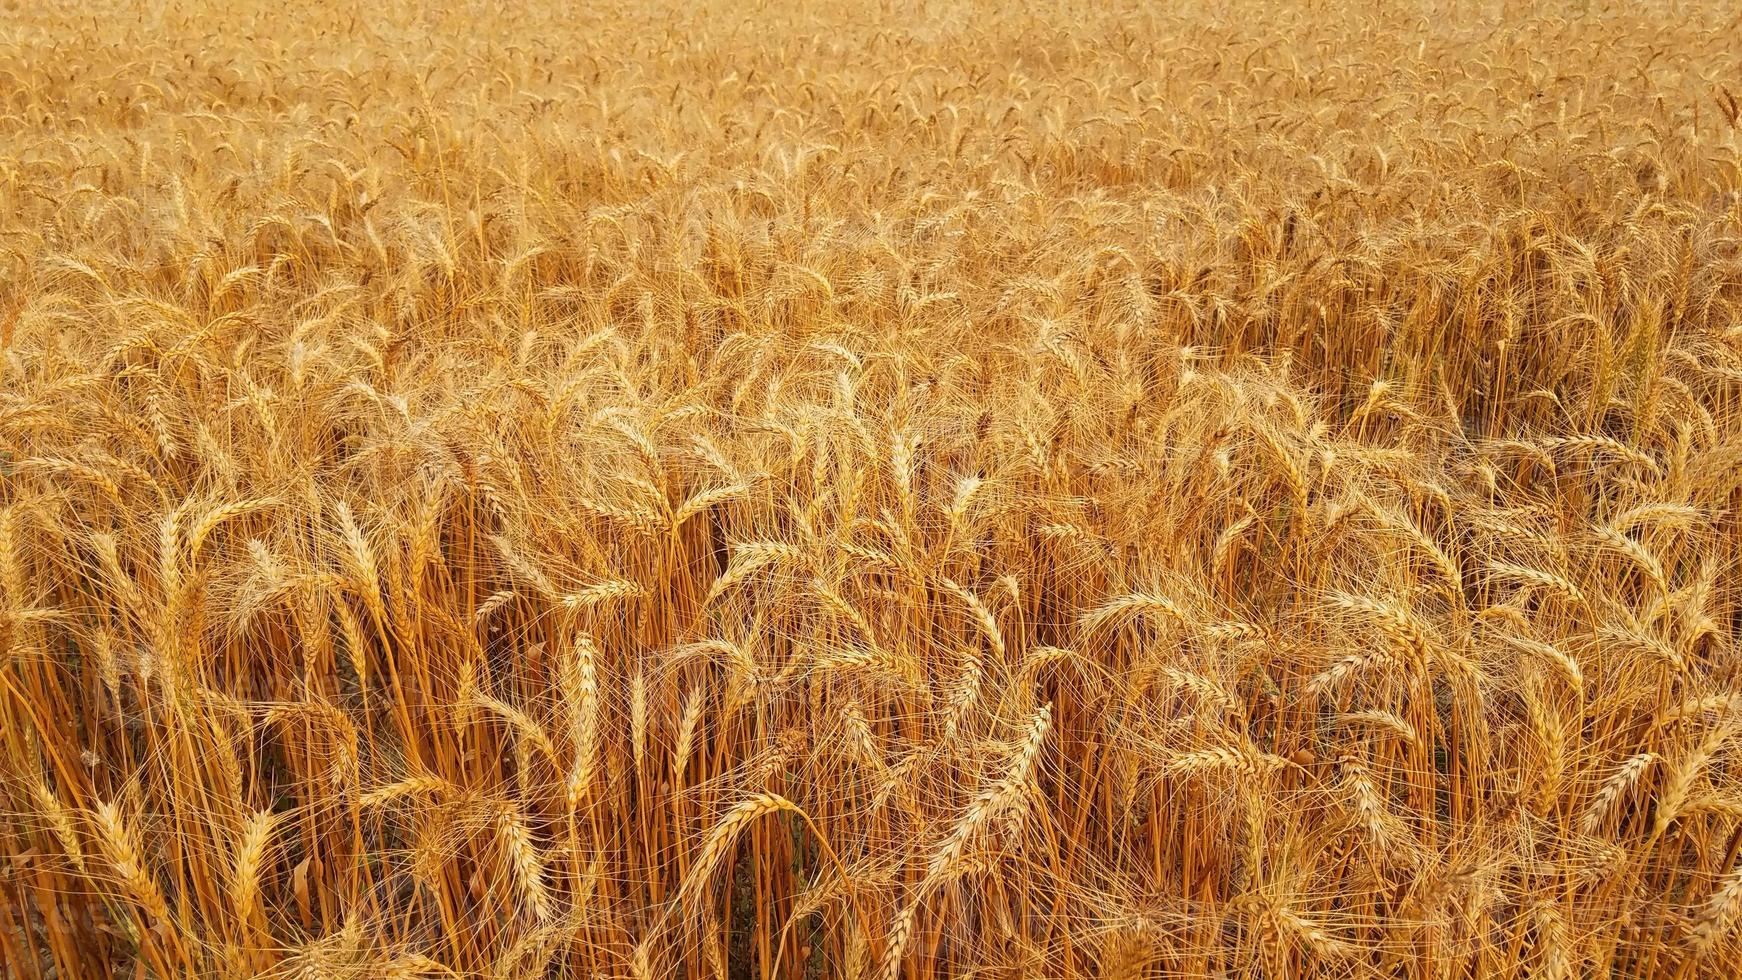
<point>915,490</point>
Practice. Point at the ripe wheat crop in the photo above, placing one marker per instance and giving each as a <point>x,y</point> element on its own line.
<point>887,492</point>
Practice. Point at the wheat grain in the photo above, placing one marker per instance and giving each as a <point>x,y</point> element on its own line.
<point>1172,497</point>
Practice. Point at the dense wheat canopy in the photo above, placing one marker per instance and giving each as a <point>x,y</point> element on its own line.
<point>821,490</point>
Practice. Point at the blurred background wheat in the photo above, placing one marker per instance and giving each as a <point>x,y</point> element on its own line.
<point>793,490</point>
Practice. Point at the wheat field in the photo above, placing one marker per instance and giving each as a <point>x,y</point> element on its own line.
<point>882,492</point>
